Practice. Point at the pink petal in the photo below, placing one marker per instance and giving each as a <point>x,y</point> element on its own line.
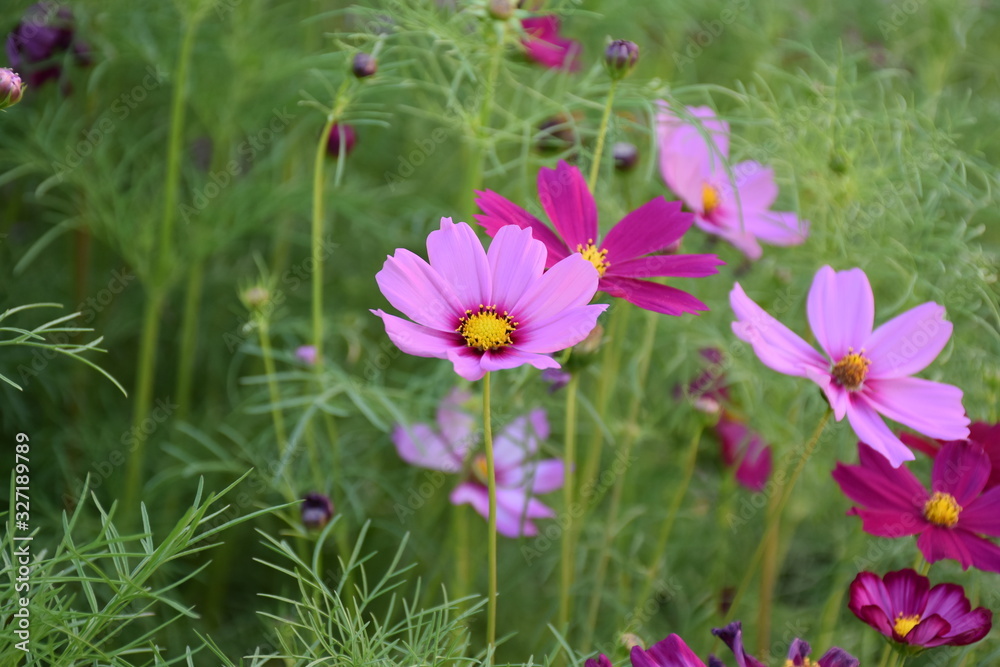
<point>653,296</point>
<point>972,627</point>
<point>653,226</point>
<point>456,425</point>
<point>467,362</point>
<point>519,439</point>
<point>755,185</point>
<point>458,256</point>
<point>947,601</point>
<point>570,206</point>
<point>677,266</point>
<point>418,340</point>
<point>870,428</point>
<point>729,226</point>
<point>569,284</point>
<point>511,357</point>
<point>547,47</point>
<point>937,543</point>
<point>689,155</point>
<point>472,493</point>
<point>499,212</point>
<point>549,475</point>
<point>780,228</point>
<point>982,515</point>
<point>777,347</point>
<point>868,592</point>
<point>414,288</point>
<point>932,408</point>
<point>961,470</point>
<point>841,310</point>
<point>908,343</point>
<point>516,261</point>
<point>420,446</point>
<point>559,332</point>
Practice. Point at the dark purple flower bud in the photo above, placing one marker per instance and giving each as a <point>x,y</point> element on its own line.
<point>620,57</point>
<point>11,88</point>
<point>317,510</point>
<point>601,661</point>
<point>501,10</point>
<point>838,657</point>
<point>626,156</point>
<point>364,65</point>
<point>557,133</point>
<point>556,378</point>
<point>341,135</point>
<point>37,44</point>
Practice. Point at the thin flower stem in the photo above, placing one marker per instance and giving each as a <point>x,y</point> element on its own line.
<point>886,654</point>
<point>773,519</point>
<point>189,338</point>
<point>922,565</point>
<point>474,179</point>
<point>491,613</point>
<point>317,238</point>
<point>595,167</point>
<point>768,575</point>
<point>569,463</point>
<point>264,334</point>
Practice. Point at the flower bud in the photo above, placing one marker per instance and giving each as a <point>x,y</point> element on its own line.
<point>557,133</point>
<point>306,354</point>
<point>341,133</point>
<point>626,156</point>
<point>255,297</point>
<point>364,65</point>
<point>317,510</point>
<point>11,88</point>
<point>620,57</point>
<point>501,10</point>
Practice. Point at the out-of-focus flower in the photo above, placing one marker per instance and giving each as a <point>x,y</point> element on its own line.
<point>38,45</point>
<point>746,450</point>
<point>904,608</point>
<point>620,58</point>
<point>865,373</point>
<point>556,378</point>
<point>694,167</point>
<point>342,136</point>
<point>11,88</point>
<point>501,10</point>
<point>600,661</point>
<point>317,510</point>
<point>544,44</point>
<point>987,435</point>
<point>364,65</point>
<point>626,156</point>
<point>519,476</point>
<point>949,518</point>
<point>622,257</point>
<point>671,652</point>
<point>255,297</point>
<point>486,312</point>
<point>306,354</point>
<point>798,652</point>
<point>558,133</point>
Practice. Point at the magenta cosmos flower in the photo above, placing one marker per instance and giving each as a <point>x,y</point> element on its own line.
<point>987,435</point>
<point>949,518</point>
<point>745,450</point>
<point>519,475</point>
<point>798,652</point>
<point>621,256</point>
<point>694,167</point>
<point>904,608</point>
<point>865,373</point>
<point>487,311</point>
<point>547,47</point>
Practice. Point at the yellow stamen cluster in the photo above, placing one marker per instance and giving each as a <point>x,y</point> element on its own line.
<point>486,329</point>
<point>904,624</point>
<point>594,255</point>
<point>851,370</point>
<point>942,509</point>
<point>479,469</point>
<point>709,198</point>
<point>806,662</point>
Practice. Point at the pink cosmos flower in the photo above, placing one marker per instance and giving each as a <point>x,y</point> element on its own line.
<point>745,449</point>
<point>622,257</point>
<point>695,169</point>
<point>904,608</point>
<point>949,518</point>
<point>547,47</point>
<point>865,373</point>
<point>519,476</point>
<point>987,435</point>
<point>487,311</point>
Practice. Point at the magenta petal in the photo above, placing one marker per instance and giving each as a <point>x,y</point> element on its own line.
<point>870,428</point>
<point>972,627</point>
<point>500,212</point>
<point>516,261</point>
<point>458,256</point>
<point>549,475</point>
<point>653,296</point>
<point>547,47</point>
<point>569,284</point>
<point>511,357</point>
<point>677,266</point>
<point>474,494</point>
<point>841,310</point>
<point>570,206</point>
<point>890,523</point>
<point>932,408</point>
<point>655,225</point>
<point>671,652</point>
<point>515,509</point>
<point>930,631</point>
<point>777,347</point>
<point>467,362</point>
<point>455,424</point>
<point>908,343</point>
<point>420,446</point>
<point>877,485</point>
<point>907,591</point>
<point>982,515</point>
<point>985,555</point>
<point>414,288</point>
<point>417,340</point>
<point>937,543</point>
<point>947,601</point>
<point>961,469</point>
<point>559,332</point>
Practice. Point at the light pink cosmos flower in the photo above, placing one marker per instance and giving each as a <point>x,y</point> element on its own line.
<point>547,47</point>
<point>622,257</point>
<point>695,169</point>
<point>487,311</point>
<point>307,354</point>
<point>865,373</point>
<point>519,475</point>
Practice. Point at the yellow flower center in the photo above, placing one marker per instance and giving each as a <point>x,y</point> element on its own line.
<point>904,624</point>
<point>806,662</point>
<point>479,469</point>
<point>851,370</point>
<point>594,255</point>
<point>486,329</point>
<point>942,509</point>
<point>709,198</point>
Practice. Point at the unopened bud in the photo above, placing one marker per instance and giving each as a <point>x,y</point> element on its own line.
<point>501,10</point>
<point>341,133</point>
<point>11,88</point>
<point>364,65</point>
<point>255,297</point>
<point>317,510</point>
<point>626,156</point>
<point>620,57</point>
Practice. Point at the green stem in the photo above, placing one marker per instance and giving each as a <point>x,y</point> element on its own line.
<point>768,575</point>
<point>189,338</point>
<point>773,518</point>
<point>491,614</point>
<point>317,239</point>
<point>474,178</point>
<point>886,654</point>
<point>264,333</point>
<point>595,167</point>
<point>569,463</point>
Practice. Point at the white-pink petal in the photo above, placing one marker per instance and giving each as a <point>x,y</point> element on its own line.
<point>932,408</point>
<point>572,282</point>
<point>872,430</point>
<point>418,291</point>
<point>559,332</point>
<point>511,279</point>
<point>908,343</point>
<point>420,341</point>
<point>458,256</point>
<point>419,445</point>
<point>841,310</point>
